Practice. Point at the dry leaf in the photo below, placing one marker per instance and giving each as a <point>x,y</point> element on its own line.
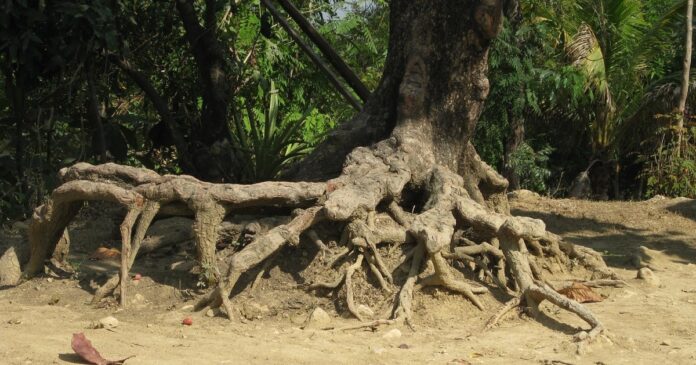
<point>104,253</point>
<point>81,345</point>
<point>581,293</point>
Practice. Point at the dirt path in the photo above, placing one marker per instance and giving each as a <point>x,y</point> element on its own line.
<point>646,324</point>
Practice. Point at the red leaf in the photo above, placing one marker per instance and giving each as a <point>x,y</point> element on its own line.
<point>81,345</point>
<point>581,293</point>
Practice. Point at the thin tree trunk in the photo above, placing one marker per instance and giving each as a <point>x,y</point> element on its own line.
<point>94,117</point>
<point>681,108</point>
<point>514,140</point>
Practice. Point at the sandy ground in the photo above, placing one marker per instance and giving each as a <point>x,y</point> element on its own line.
<point>646,324</point>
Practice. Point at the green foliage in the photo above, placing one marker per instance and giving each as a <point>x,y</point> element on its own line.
<point>532,167</point>
<point>670,173</point>
<point>267,140</point>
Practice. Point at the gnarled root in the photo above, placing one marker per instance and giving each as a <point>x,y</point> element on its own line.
<point>374,201</point>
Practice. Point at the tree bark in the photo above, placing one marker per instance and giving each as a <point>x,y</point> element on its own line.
<point>94,116</point>
<point>513,142</point>
<point>212,128</point>
<point>444,45</point>
<point>681,108</point>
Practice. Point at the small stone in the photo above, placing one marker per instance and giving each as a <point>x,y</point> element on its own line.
<point>50,280</point>
<point>404,346</point>
<point>392,334</point>
<point>108,322</point>
<point>666,343</point>
<point>253,310</point>
<point>210,313</point>
<point>138,298</point>
<point>318,318</point>
<point>150,325</point>
<point>187,307</point>
<point>14,321</point>
<point>378,350</point>
<point>365,310</point>
<point>648,276</point>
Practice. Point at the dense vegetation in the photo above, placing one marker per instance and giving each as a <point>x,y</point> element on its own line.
<point>217,89</point>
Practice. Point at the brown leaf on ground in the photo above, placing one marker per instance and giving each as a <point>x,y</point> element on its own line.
<point>83,347</point>
<point>105,253</point>
<point>581,293</point>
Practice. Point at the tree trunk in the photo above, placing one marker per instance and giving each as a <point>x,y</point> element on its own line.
<point>433,87</point>
<point>681,108</point>
<point>513,142</point>
<point>212,127</point>
<point>94,117</point>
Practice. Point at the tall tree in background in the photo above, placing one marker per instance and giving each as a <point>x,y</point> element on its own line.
<point>681,107</point>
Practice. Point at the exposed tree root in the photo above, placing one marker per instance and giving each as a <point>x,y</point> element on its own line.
<point>503,249</point>
<point>373,198</point>
<point>423,190</point>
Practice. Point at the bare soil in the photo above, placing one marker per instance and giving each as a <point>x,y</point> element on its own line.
<point>646,324</point>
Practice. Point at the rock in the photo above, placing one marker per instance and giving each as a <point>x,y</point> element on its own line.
<point>211,313</point>
<point>648,276</point>
<point>139,301</point>
<point>253,310</point>
<point>10,272</point>
<point>318,318</point>
<point>666,343</point>
<point>365,311</point>
<point>108,322</point>
<point>392,334</point>
<point>187,307</point>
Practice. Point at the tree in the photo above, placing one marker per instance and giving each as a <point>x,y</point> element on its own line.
<point>614,45</point>
<point>409,176</point>
<point>681,107</point>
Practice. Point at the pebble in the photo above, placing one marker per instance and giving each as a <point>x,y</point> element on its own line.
<point>318,318</point>
<point>378,350</point>
<point>108,322</point>
<point>365,310</point>
<point>392,334</point>
<point>187,307</point>
<point>648,276</point>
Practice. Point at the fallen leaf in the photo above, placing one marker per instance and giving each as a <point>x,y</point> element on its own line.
<point>105,253</point>
<point>81,345</point>
<point>581,293</point>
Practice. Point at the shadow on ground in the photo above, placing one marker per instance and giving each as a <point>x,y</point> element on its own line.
<point>617,242</point>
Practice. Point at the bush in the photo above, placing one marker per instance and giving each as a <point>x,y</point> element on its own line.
<point>670,173</point>
<point>531,167</point>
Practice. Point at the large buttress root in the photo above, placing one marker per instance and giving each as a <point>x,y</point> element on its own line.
<point>448,227</point>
